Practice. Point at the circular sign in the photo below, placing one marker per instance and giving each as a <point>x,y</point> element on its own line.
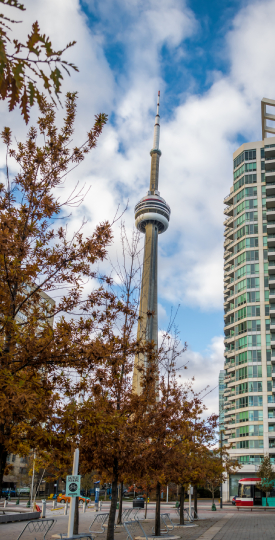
<point>73,487</point>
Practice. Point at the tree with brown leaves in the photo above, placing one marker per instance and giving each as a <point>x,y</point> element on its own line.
<point>22,65</point>
<point>38,259</point>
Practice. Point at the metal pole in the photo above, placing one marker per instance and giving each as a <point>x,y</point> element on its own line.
<point>72,499</point>
<point>221,478</point>
<point>167,494</point>
<point>43,509</point>
<point>189,502</point>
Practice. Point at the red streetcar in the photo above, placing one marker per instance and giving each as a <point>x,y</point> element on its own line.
<point>248,493</point>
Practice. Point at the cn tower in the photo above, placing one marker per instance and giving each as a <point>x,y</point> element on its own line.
<point>152,215</point>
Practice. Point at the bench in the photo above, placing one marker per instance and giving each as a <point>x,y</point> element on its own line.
<point>38,525</point>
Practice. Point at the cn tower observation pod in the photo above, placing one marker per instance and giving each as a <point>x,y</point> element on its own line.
<point>152,208</point>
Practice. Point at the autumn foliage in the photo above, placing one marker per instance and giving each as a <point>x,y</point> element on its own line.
<point>38,260</point>
<point>24,65</point>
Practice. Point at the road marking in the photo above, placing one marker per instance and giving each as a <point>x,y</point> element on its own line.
<point>212,531</point>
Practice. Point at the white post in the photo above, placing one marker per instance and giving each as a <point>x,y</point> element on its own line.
<point>100,505</point>
<point>72,499</point>
<point>43,509</point>
<point>5,503</point>
<point>189,502</point>
<point>84,507</point>
<point>167,494</point>
<point>32,477</point>
<point>66,508</point>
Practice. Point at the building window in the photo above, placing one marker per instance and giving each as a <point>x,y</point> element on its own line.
<point>247,155</point>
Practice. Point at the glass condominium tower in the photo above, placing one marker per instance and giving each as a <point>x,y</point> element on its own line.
<point>249,305</point>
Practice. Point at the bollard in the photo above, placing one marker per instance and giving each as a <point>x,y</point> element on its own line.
<point>66,508</point>
<point>17,502</point>
<point>29,504</point>
<point>43,515</point>
<point>5,503</point>
<point>213,507</point>
<point>100,505</point>
<point>54,503</point>
<point>84,507</point>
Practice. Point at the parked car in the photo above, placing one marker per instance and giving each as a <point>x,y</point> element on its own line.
<point>234,500</point>
<point>63,498</point>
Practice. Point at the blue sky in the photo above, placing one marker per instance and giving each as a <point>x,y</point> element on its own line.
<point>213,62</point>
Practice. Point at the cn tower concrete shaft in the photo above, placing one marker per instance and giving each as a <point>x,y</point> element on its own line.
<point>152,216</point>
<point>148,307</point>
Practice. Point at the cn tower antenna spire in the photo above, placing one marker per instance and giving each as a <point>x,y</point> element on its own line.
<point>157,127</point>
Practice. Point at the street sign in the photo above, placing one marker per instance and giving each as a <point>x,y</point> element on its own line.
<point>73,486</point>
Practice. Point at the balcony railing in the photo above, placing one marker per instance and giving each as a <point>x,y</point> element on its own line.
<point>229,195</point>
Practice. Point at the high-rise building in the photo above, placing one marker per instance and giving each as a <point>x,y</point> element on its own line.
<point>221,401</point>
<point>152,215</point>
<point>249,304</point>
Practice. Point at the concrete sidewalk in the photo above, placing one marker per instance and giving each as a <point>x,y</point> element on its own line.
<point>221,525</point>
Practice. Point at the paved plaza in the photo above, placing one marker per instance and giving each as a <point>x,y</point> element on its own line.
<point>226,524</point>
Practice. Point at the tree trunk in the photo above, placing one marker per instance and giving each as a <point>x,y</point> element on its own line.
<point>76,516</point>
<point>120,504</point>
<point>112,515</point>
<point>182,505</point>
<point>3,460</point>
<point>195,501</point>
<point>157,517</point>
